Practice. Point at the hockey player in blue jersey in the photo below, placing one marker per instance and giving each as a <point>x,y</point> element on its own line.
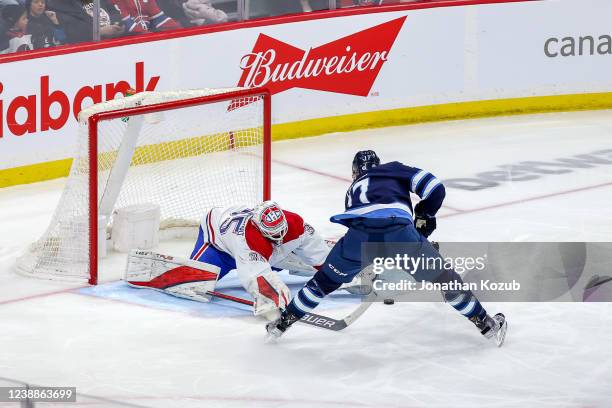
<point>379,209</point>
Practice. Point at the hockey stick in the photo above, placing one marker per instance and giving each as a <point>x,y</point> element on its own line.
<point>230,297</point>
<point>329,323</point>
<point>311,319</point>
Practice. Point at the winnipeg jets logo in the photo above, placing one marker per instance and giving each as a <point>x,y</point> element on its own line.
<point>348,65</point>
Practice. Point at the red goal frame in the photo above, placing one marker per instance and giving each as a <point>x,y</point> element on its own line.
<point>96,118</point>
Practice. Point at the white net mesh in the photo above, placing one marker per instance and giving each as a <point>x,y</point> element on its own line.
<point>185,159</point>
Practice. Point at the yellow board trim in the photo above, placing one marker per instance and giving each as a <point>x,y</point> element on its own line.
<point>346,123</point>
<point>35,172</point>
<point>449,111</point>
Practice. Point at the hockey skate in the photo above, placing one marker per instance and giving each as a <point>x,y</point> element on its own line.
<point>493,328</point>
<point>279,326</point>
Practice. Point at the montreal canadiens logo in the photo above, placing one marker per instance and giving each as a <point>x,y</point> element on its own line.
<point>272,217</point>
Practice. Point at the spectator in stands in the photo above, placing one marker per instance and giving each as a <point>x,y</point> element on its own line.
<point>43,25</point>
<point>200,12</point>
<point>16,19</point>
<point>142,16</point>
<point>76,17</point>
<point>3,27</point>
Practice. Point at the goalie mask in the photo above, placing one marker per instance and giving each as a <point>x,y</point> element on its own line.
<point>270,220</point>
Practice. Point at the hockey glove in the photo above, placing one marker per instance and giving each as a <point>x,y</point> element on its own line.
<point>270,293</point>
<point>424,223</point>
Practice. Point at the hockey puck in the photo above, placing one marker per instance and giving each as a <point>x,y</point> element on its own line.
<point>389,301</point>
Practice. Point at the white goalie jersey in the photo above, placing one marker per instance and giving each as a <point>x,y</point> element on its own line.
<point>230,239</point>
<point>230,231</point>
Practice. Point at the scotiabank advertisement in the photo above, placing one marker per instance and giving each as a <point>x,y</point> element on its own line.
<point>323,67</point>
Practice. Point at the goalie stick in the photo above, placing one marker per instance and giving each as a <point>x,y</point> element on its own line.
<point>311,319</point>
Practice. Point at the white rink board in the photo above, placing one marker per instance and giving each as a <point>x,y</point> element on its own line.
<point>441,55</point>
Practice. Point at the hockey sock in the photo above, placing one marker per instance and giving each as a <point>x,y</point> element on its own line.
<point>312,294</point>
<point>465,303</point>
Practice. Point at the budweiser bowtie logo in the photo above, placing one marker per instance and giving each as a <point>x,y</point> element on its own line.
<point>348,65</point>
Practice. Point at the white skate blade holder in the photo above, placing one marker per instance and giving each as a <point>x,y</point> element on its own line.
<point>136,227</point>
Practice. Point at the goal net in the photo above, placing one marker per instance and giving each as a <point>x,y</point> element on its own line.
<point>185,151</point>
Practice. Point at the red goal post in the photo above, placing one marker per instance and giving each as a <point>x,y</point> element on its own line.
<point>95,119</point>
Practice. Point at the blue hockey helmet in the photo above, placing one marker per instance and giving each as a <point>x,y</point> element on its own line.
<point>364,160</point>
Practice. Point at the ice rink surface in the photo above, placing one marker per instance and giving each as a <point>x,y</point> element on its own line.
<point>407,355</point>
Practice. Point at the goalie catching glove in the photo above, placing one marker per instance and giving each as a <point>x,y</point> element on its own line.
<point>270,294</point>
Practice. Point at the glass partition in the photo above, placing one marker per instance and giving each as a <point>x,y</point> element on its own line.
<point>36,24</point>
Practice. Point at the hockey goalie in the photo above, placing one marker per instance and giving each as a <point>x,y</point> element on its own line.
<point>252,241</point>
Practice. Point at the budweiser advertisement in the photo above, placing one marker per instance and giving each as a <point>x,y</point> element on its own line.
<point>348,65</point>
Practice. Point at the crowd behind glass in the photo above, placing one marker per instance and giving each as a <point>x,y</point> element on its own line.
<point>33,24</point>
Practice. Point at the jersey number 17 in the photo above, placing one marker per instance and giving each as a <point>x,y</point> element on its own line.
<point>358,192</point>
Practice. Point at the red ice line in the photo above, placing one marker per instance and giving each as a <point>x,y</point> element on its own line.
<point>40,295</point>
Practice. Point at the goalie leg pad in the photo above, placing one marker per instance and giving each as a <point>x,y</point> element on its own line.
<point>178,277</point>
